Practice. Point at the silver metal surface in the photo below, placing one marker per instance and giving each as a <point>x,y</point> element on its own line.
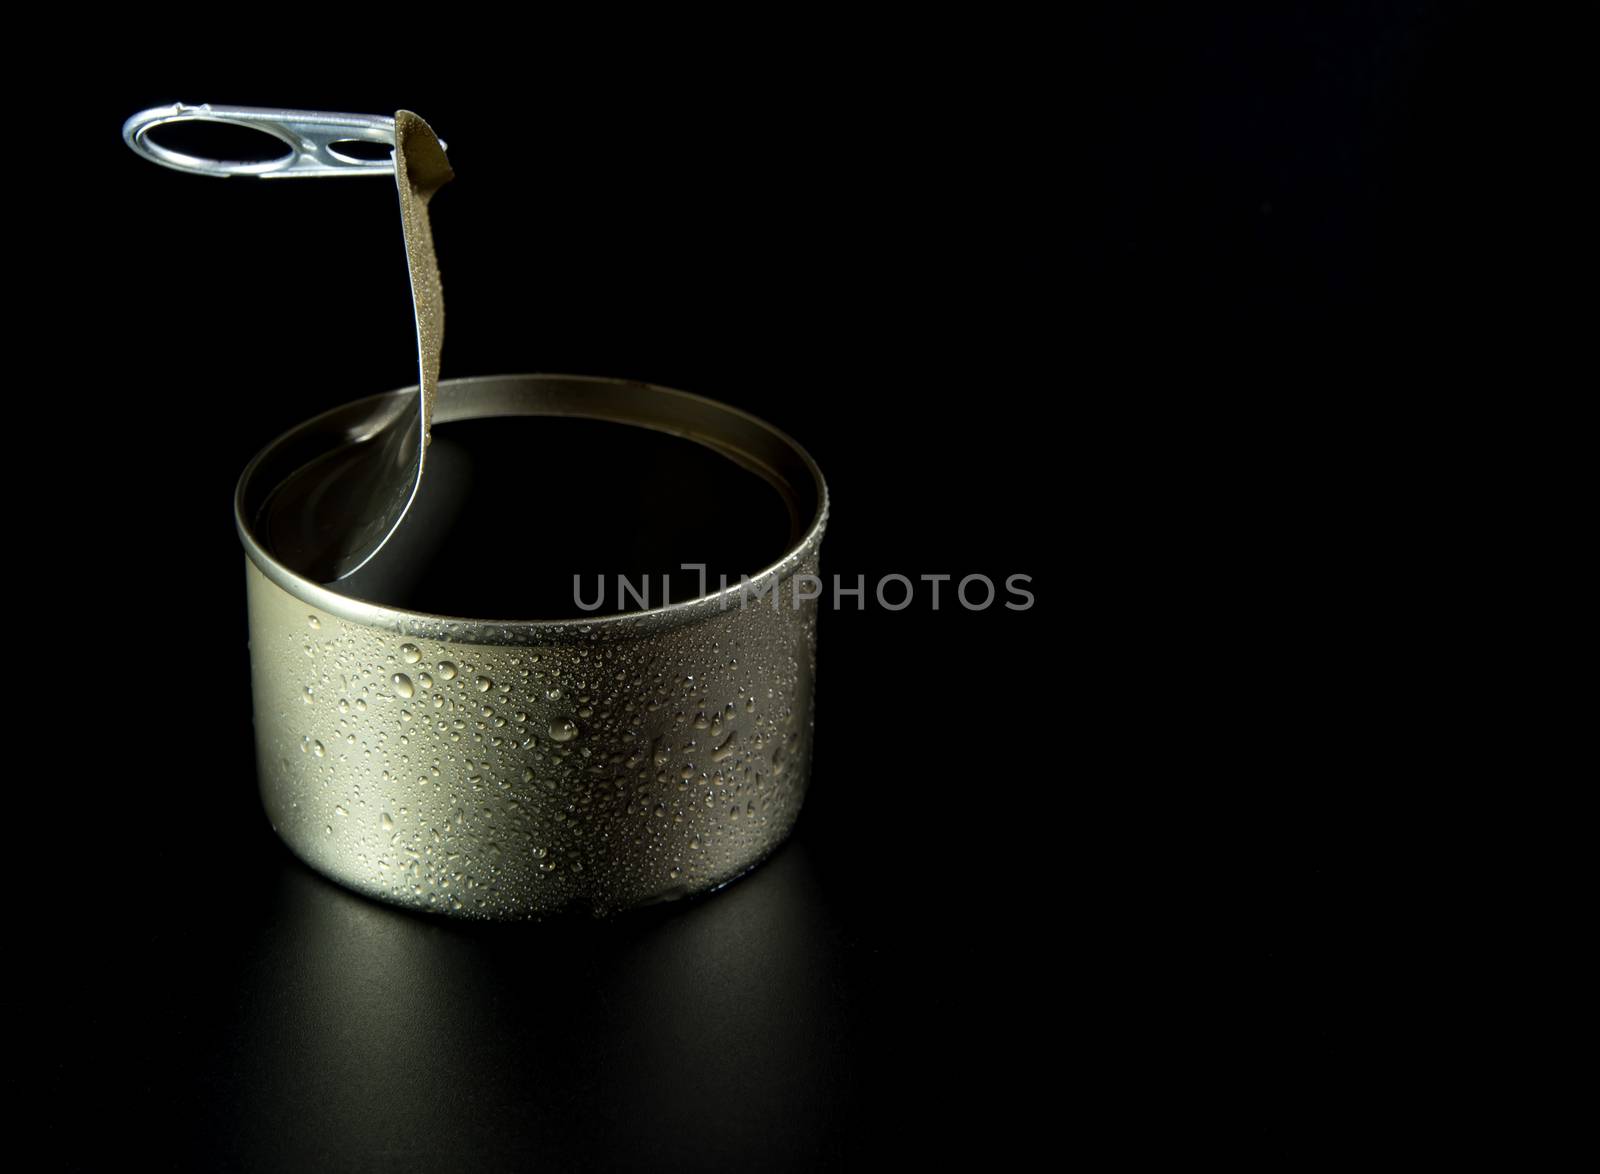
<point>340,511</point>
<point>312,139</point>
<point>512,768</point>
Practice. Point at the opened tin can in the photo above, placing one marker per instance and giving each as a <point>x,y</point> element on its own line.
<point>516,768</point>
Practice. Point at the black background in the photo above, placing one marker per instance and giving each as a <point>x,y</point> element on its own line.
<point>1132,305</point>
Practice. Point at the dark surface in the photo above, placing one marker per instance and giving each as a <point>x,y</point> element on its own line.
<point>579,503</point>
<point>1138,308</point>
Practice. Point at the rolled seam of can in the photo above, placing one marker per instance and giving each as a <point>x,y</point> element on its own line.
<point>508,769</point>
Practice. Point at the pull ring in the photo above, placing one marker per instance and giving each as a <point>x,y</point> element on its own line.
<point>312,137</point>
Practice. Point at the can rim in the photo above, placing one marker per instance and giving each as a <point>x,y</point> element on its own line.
<point>478,630</point>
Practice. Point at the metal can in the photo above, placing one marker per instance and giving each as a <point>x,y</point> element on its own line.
<point>513,769</point>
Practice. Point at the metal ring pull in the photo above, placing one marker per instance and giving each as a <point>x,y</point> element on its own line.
<point>312,137</point>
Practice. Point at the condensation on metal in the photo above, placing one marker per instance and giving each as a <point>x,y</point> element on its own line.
<point>516,769</point>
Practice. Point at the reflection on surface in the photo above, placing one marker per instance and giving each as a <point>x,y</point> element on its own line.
<point>633,502</point>
<point>364,1035</point>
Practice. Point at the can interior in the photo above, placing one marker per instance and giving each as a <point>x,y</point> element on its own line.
<point>539,491</point>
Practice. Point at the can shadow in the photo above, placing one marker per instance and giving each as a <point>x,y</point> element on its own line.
<point>660,1036</point>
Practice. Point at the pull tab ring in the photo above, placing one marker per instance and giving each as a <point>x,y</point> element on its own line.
<point>312,137</point>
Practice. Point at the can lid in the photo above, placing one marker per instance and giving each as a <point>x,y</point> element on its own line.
<point>352,501</point>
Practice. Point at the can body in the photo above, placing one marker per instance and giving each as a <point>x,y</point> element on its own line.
<point>516,769</point>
